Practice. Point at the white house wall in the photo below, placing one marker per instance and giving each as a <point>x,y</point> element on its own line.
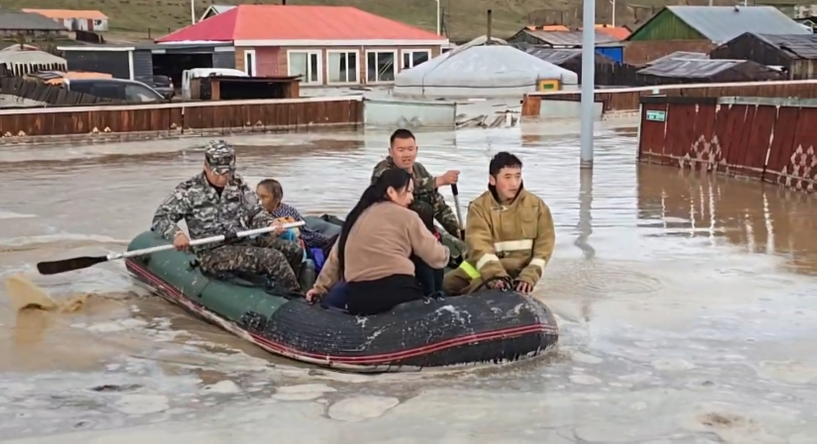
<point>82,24</point>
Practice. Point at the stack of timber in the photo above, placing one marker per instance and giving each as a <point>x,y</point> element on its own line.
<point>49,94</point>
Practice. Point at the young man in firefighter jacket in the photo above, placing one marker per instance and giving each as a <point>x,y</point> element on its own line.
<point>509,235</point>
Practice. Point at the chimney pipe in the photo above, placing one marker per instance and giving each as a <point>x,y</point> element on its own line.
<point>488,41</point>
<point>283,2</point>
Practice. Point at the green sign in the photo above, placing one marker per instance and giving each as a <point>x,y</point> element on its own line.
<point>656,116</point>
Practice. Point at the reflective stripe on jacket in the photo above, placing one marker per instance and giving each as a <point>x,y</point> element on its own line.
<point>508,240</point>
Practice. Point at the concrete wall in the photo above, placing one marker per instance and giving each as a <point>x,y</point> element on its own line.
<point>391,113</point>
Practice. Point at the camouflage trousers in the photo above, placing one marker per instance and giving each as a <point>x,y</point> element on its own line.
<point>265,255</point>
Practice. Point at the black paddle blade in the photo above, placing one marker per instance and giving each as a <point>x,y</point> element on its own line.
<point>77,263</point>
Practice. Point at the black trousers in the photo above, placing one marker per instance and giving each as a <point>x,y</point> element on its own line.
<point>429,279</point>
<point>381,295</point>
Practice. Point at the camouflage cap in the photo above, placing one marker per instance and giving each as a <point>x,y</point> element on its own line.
<point>220,156</point>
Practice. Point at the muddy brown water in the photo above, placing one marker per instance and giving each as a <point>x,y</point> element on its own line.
<point>686,303</point>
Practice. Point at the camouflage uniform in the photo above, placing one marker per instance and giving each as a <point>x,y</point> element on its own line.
<point>235,209</point>
<point>425,190</point>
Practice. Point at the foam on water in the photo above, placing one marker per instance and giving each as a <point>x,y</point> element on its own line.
<point>12,215</point>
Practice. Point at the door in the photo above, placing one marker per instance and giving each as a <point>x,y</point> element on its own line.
<point>186,84</point>
<point>249,62</point>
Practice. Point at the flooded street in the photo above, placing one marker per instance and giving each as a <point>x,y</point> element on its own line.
<point>687,305</point>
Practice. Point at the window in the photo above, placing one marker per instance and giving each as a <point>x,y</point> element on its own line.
<point>380,66</point>
<point>306,64</point>
<point>342,66</point>
<point>414,58</point>
<point>108,90</point>
<point>249,62</point>
<point>141,93</point>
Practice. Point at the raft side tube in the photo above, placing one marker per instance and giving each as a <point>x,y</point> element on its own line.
<point>489,326</point>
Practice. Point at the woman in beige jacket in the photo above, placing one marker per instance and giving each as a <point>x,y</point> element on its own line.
<point>373,253</point>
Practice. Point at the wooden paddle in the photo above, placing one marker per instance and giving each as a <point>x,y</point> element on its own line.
<point>78,263</point>
<point>456,192</point>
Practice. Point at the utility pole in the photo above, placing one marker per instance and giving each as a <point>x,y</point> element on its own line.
<point>438,17</point>
<point>613,20</point>
<point>192,12</point>
<point>588,82</point>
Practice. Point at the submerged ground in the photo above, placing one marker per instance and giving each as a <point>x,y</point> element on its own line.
<point>686,302</point>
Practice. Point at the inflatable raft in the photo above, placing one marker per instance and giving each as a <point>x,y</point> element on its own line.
<point>489,326</point>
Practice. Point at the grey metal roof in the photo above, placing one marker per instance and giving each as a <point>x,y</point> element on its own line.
<point>558,56</point>
<point>567,39</point>
<point>689,68</point>
<point>180,47</point>
<point>680,55</point>
<point>551,55</point>
<point>723,23</point>
<point>705,68</point>
<point>22,21</point>
<point>222,8</point>
<point>803,46</point>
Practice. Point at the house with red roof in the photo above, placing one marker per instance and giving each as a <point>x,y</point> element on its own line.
<point>326,45</point>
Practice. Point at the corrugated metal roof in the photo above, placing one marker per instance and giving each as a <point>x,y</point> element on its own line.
<point>559,56</point>
<point>689,68</point>
<point>802,46</point>
<point>617,32</point>
<point>68,13</point>
<point>21,21</point>
<point>567,39</point>
<point>551,55</point>
<point>680,55</point>
<point>723,23</point>
<point>33,57</point>
<point>299,22</point>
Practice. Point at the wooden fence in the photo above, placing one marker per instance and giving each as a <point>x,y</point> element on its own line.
<point>772,140</point>
<point>49,94</point>
<point>628,99</point>
<point>176,119</point>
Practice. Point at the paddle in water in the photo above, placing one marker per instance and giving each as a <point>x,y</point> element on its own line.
<point>78,263</point>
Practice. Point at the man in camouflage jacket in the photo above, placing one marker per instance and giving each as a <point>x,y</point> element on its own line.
<point>218,201</point>
<point>403,154</point>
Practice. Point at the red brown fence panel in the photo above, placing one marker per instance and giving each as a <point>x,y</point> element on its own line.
<point>651,132</point>
<point>774,140</point>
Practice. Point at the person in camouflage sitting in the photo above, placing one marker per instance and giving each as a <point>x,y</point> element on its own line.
<point>403,155</point>
<point>218,201</point>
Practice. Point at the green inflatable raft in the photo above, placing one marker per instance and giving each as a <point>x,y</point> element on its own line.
<point>488,326</point>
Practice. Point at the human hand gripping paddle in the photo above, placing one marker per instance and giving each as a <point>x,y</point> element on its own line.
<point>78,263</point>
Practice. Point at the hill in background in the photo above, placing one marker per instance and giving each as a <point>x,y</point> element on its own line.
<point>463,19</point>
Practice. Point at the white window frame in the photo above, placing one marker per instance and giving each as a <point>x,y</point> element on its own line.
<point>305,80</point>
<point>343,51</point>
<point>396,59</point>
<point>412,52</point>
<point>254,66</point>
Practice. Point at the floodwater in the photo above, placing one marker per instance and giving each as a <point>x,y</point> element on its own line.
<point>686,304</point>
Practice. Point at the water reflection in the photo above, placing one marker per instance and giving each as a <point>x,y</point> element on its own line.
<point>585,225</point>
<point>760,218</point>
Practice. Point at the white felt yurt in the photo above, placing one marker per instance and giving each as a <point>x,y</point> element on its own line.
<point>477,70</point>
